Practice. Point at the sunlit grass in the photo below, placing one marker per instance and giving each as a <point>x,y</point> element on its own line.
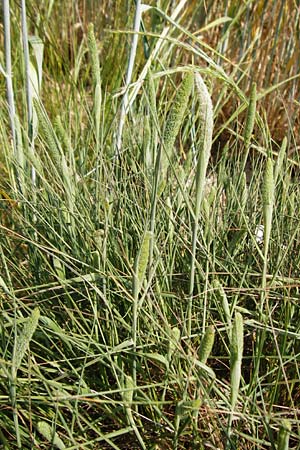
<point>150,296</point>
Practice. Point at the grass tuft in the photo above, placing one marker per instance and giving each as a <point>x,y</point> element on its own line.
<point>149,226</point>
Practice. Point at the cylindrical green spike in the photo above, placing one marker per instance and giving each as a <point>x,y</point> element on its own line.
<point>206,345</point>
<point>174,121</point>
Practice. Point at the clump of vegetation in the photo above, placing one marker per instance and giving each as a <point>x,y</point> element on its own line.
<point>149,283</point>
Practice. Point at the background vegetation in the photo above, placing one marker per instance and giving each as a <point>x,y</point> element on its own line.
<point>149,235</point>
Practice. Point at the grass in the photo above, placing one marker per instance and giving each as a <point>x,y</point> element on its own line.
<point>149,293</point>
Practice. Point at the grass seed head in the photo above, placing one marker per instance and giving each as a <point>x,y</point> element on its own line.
<point>129,389</point>
<point>206,114</point>
<point>92,45</point>
<point>269,184</point>
<point>224,301</point>
<point>49,135</point>
<point>141,261</point>
<point>237,343</point>
<point>207,343</point>
<point>280,159</point>
<point>174,120</point>
<point>206,125</point>
<point>174,341</point>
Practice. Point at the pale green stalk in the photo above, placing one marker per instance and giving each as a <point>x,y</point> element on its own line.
<point>33,88</point>
<point>8,70</point>
<point>268,194</point>
<point>244,192</point>
<point>20,159</point>
<point>236,356</point>
<point>12,376</point>
<point>207,121</point>
<point>21,345</point>
<point>249,126</point>
<point>154,54</point>
<point>284,435</point>
<point>96,75</point>
<point>125,101</point>
<point>10,95</point>
<point>127,395</point>
<point>154,198</point>
<point>268,197</point>
<point>28,84</point>
<point>225,305</point>
<point>165,152</point>
<point>151,126</point>
<point>140,267</point>
<point>268,204</point>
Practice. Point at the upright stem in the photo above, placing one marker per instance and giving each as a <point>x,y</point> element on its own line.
<point>206,115</point>
<point>154,54</point>
<point>28,84</point>
<point>26,63</point>
<point>154,206</point>
<point>125,103</point>
<point>9,85</point>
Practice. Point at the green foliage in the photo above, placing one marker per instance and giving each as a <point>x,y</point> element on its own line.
<point>156,314</point>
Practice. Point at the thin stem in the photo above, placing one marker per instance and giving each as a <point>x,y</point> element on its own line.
<point>9,85</point>
<point>125,103</point>
<point>28,84</point>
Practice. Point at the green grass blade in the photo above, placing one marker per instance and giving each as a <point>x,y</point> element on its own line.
<point>23,340</point>
<point>207,122</point>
